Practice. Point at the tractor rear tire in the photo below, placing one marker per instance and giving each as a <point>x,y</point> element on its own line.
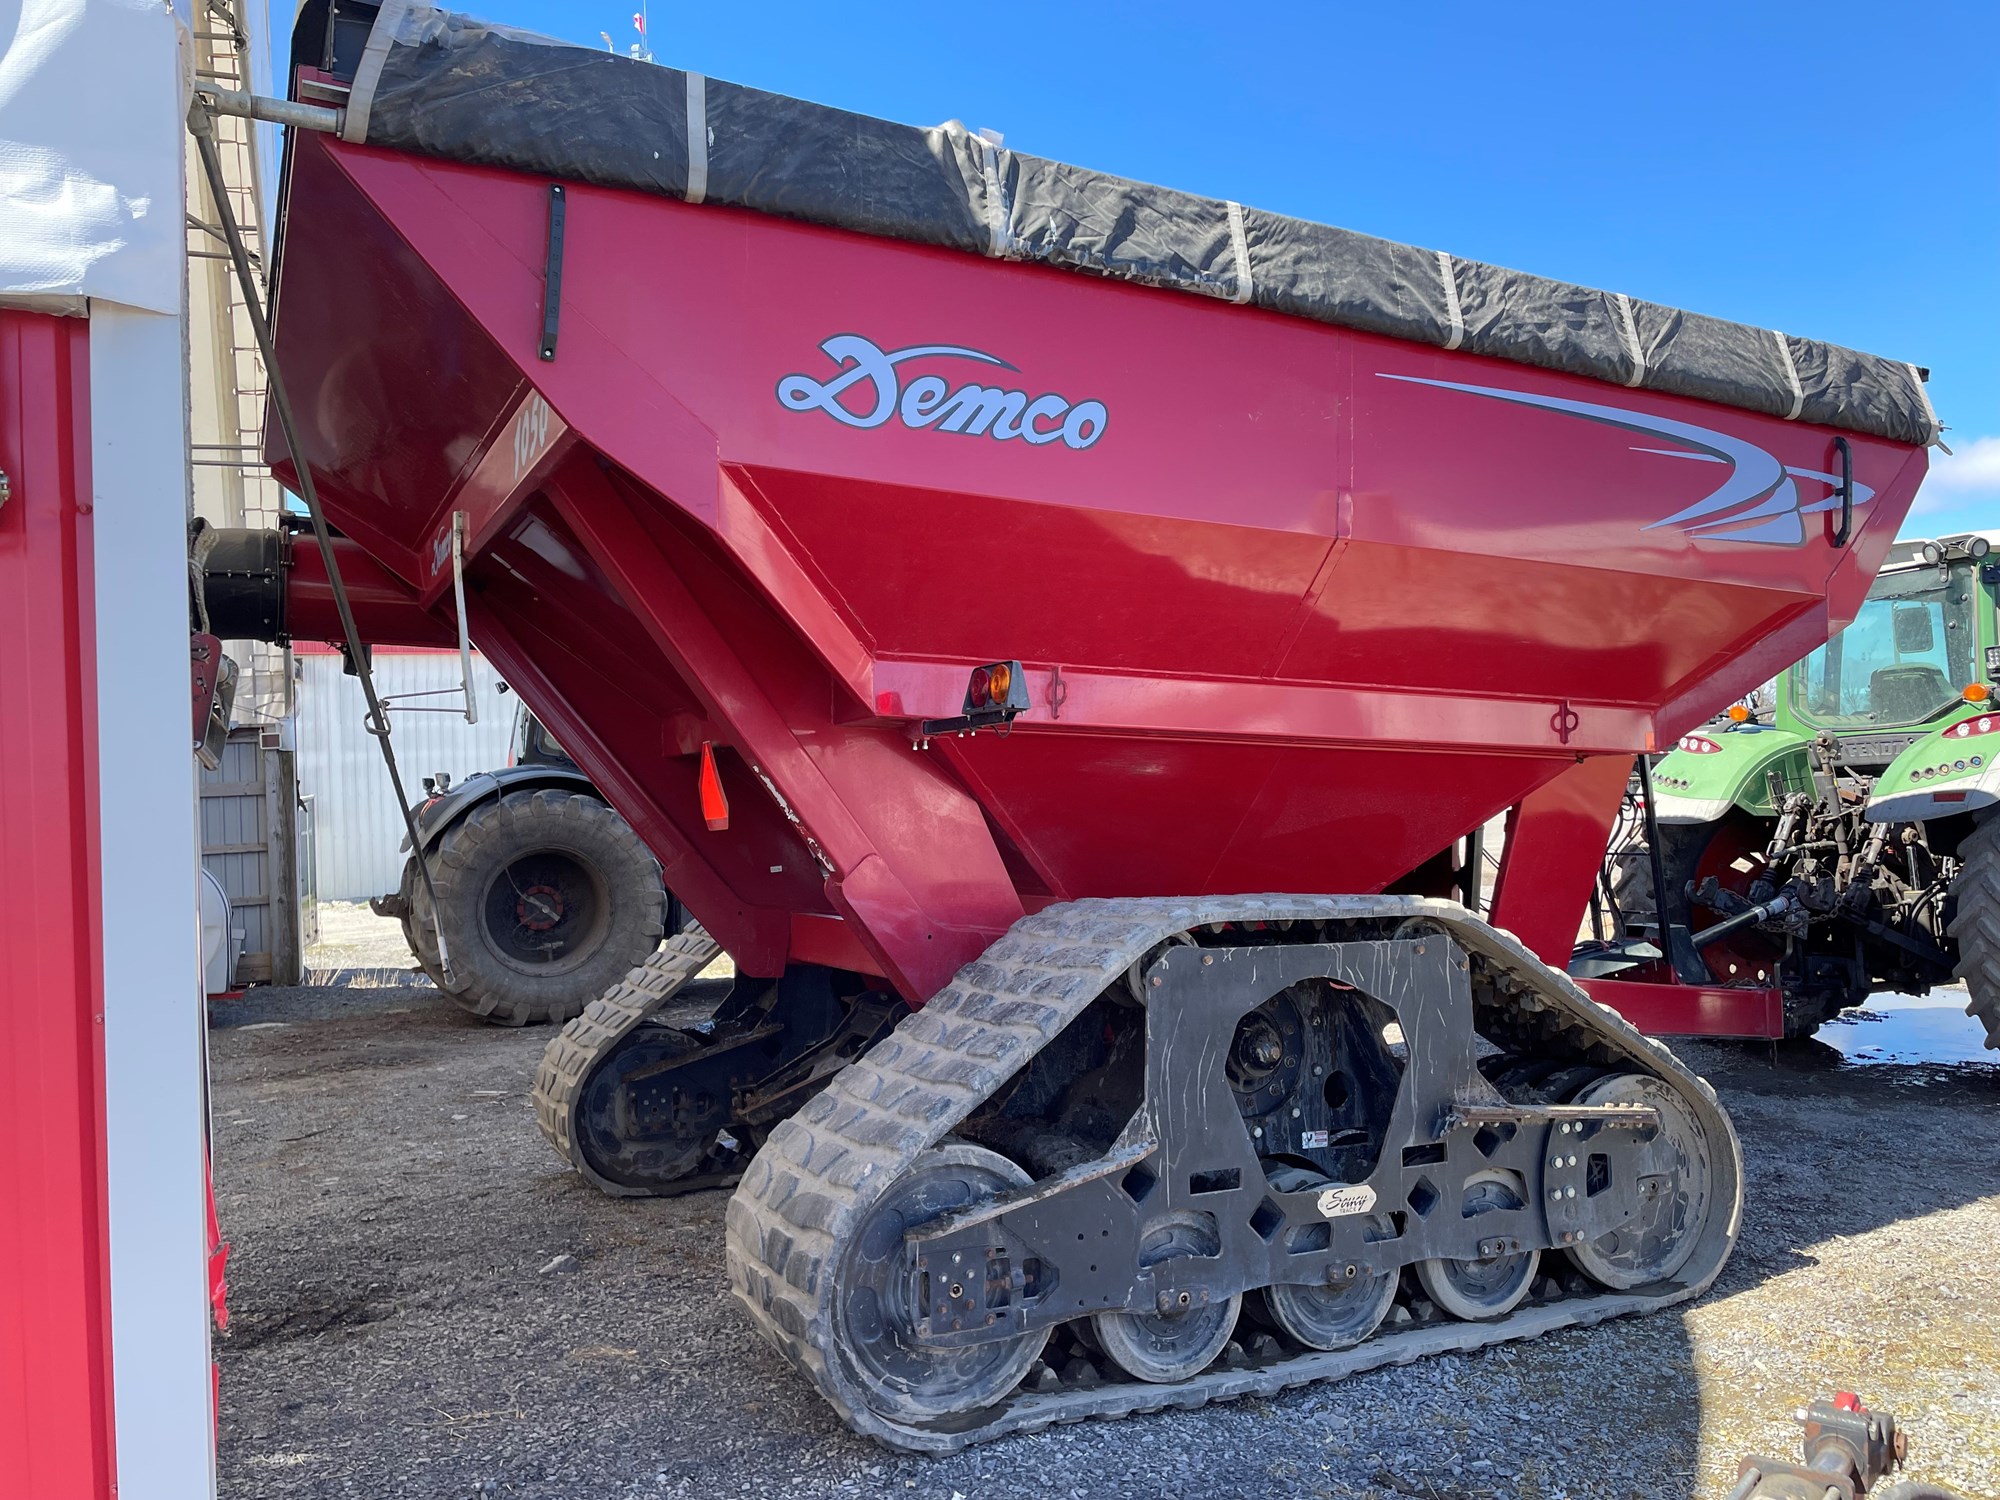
<point>548,898</point>
<point>1975,924</point>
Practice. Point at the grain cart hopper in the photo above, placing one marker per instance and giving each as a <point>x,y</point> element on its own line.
<point>1055,633</point>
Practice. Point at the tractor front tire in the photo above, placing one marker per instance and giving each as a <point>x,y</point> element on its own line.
<point>1975,924</point>
<point>547,898</point>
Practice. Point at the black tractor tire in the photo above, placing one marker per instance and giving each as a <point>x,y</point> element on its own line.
<point>1681,846</point>
<point>548,899</point>
<point>1975,924</point>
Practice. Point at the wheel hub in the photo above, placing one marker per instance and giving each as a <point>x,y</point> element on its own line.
<point>546,911</point>
<point>540,908</point>
<point>1267,1056</point>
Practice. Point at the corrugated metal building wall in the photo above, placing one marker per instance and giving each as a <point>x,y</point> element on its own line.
<point>255,841</point>
<point>357,826</point>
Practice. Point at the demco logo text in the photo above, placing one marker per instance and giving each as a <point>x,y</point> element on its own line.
<point>872,387</point>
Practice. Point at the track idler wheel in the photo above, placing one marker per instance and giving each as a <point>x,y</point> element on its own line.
<point>1676,1190</point>
<point>879,1299</point>
<point>1184,1334</point>
<point>1484,1287</point>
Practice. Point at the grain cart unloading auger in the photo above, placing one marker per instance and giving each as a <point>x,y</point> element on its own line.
<point>786,447</point>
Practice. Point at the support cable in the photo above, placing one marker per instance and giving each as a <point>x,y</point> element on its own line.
<point>201,123</point>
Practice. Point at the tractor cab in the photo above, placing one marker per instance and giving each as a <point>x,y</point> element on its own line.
<point>1924,634</point>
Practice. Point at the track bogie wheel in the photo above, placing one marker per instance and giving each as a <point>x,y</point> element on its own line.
<point>1676,1191</point>
<point>1183,1336</point>
<point>1326,1315</point>
<point>1480,1288</point>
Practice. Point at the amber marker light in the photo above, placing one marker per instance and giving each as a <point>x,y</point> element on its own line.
<point>1976,692</point>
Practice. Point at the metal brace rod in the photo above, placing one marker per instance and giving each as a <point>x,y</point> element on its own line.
<point>1637,1115</point>
<point>552,269</point>
<point>277,111</point>
<point>458,524</point>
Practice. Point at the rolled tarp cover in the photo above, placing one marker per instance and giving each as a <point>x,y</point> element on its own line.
<point>439,84</point>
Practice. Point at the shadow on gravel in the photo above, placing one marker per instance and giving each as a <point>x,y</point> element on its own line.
<point>427,1303</point>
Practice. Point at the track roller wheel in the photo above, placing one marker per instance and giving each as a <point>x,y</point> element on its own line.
<point>1326,1315</point>
<point>1480,1288</point>
<point>1676,1191</point>
<point>1336,1316</point>
<point>876,1305</point>
<point>1183,1338</point>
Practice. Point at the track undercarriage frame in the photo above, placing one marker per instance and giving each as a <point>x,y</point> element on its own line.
<point>911,1245</point>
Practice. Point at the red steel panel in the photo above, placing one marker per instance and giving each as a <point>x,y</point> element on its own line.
<point>1693,1010</point>
<point>1555,847</point>
<point>55,1416</point>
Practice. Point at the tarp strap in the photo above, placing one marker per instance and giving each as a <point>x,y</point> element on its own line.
<point>1930,412</point>
<point>697,103</point>
<point>1791,377</point>
<point>1240,243</point>
<point>1628,329</point>
<point>1451,309</point>
<point>999,239</point>
<point>368,72</point>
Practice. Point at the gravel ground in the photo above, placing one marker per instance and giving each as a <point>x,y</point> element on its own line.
<point>397,1331</point>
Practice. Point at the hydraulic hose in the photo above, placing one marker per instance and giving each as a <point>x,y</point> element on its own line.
<point>201,124</point>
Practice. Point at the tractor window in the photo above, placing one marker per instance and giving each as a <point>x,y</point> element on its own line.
<point>544,745</point>
<point>1905,658</point>
<point>533,744</point>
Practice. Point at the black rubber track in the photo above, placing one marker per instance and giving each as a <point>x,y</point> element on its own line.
<point>1975,924</point>
<point>810,1187</point>
<point>576,1050</point>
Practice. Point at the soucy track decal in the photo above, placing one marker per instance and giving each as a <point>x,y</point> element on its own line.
<point>1338,1202</point>
<point>874,377</point>
<point>1759,501</point>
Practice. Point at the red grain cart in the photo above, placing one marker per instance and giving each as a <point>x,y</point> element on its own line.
<point>969,633</point>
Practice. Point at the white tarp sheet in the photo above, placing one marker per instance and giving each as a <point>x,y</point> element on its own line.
<point>90,206</point>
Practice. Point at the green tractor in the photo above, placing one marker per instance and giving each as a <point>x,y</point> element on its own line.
<point>1851,844</point>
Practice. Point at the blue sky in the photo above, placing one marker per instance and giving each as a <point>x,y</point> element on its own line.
<point>1829,169</point>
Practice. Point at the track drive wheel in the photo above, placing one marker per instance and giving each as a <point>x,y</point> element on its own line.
<point>1183,1338</point>
<point>1676,1190</point>
<point>1483,1287</point>
<point>1975,924</point>
<point>876,1301</point>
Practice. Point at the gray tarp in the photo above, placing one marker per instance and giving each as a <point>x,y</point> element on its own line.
<point>444,85</point>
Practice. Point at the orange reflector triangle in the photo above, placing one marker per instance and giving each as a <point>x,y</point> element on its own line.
<point>714,805</point>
